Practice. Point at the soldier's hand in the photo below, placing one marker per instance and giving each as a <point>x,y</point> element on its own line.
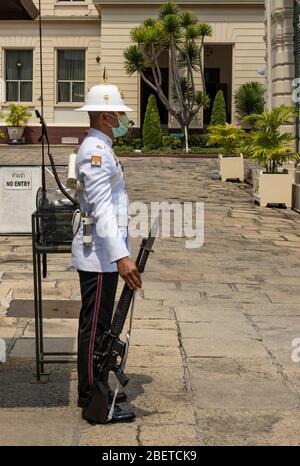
<point>128,271</point>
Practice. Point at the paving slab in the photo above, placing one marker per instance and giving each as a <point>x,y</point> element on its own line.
<point>209,312</point>
<point>232,391</point>
<point>155,356</point>
<point>273,309</point>
<point>25,347</point>
<point>152,380</point>
<point>54,328</point>
<point>159,408</point>
<point>218,330</point>
<point>27,428</point>
<point>223,347</point>
<point>169,435</point>
<point>151,337</point>
<point>248,368</point>
<point>243,427</point>
<point>125,435</point>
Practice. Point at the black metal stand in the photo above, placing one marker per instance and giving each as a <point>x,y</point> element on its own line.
<point>40,250</point>
<point>51,234</point>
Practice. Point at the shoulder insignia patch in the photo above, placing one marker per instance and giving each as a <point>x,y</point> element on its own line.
<point>96,160</point>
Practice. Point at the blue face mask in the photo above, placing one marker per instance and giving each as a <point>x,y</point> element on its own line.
<point>122,129</point>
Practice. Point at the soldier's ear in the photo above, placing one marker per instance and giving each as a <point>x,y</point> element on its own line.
<point>106,116</point>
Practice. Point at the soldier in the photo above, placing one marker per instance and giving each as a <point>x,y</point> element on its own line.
<point>104,203</point>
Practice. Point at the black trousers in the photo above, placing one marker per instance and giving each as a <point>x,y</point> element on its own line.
<point>98,291</point>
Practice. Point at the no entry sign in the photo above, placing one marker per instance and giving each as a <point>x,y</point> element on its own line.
<point>18,178</point>
<point>18,188</point>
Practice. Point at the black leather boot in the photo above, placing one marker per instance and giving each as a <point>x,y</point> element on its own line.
<point>119,415</point>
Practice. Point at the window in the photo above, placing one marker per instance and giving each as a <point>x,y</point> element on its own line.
<point>19,70</point>
<point>70,75</point>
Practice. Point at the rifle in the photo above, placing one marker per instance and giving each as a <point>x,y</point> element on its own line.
<point>111,352</point>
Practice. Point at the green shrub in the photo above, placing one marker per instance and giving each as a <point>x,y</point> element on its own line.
<point>166,141</point>
<point>206,150</point>
<point>146,149</point>
<point>172,142</point>
<point>152,132</point>
<point>193,150</point>
<point>249,98</point>
<point>218,116</point>
<point>198,140</point>
<point>136,143</point>
<point>123,149</point>
<point>176,143</point>
<point>121,142</point>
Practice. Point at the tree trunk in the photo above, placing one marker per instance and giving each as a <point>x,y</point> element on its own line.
<point>186,136</point>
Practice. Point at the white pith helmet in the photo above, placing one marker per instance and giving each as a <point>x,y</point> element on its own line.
<point>104,98</point>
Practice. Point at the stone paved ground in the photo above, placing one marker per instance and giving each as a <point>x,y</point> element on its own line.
<point>210,361</point>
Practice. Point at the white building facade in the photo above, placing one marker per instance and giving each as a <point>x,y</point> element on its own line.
<point>81,37</point>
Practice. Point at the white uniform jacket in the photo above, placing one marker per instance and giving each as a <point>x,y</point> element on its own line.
<point>105,198</point>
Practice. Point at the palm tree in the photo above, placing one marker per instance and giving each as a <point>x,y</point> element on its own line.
<point>181,36</point>
<point>249,98</point>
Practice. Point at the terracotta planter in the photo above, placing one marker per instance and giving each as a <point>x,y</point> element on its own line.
<point>272,188</point>
<point>231,168</point>
<point>15,134</point>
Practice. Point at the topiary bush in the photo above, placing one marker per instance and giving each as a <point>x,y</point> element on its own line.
<point>152,132</point>
<point>218,115</point>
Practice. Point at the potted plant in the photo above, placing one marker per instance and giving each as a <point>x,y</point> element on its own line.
<point>271,148</point>
<point>231,166</point>
<point>16,121</point>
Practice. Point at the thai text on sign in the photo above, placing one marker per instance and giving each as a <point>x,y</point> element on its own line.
<point>18,179</point>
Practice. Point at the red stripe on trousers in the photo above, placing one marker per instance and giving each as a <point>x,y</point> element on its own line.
<point>93,331</point>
